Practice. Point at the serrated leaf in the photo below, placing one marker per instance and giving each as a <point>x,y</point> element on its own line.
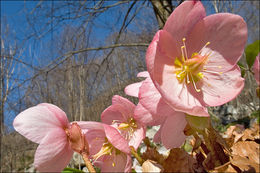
<point>71,170</point>
<point>252,51</point>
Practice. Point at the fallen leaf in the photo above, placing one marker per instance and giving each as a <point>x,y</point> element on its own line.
<point>179,161</point>
<point>244,164</point>
<point>227,167</point>
<point>151,166</point>
<point>247,149</point>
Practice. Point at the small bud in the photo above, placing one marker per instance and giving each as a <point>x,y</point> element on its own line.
<point>76,139</point>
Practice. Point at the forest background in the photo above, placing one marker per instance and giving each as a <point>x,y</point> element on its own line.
<point>78,54</point>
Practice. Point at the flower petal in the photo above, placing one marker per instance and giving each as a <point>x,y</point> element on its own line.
<point>116,139</point>
<point>124,102</point>
<point>152,100</point>
<point>143,116</point>
<point>137,138</point>
<point>183,19</point>
<point>227,34</point>
<point>172,135</point>
<point>143,74</point>
<point>114,163</point>
<point>133,89</point>
<point>221,88</point>
<point>94,134</point>
<point>34,123</point>
<point>54,153</point>
<point>113,113</point>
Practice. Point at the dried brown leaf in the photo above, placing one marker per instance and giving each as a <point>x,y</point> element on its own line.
<point>247,149</point>
<point>227,167</point>
<point>151,166</point>
<point>153,154</point>
<point>179,161</point>
<point>244,164</point>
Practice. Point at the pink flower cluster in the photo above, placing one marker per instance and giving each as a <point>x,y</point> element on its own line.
<point>191,63</point>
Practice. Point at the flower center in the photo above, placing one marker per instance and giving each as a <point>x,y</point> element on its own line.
<point>129,127</point>
<point>189,70</point>
<point>107,149</point>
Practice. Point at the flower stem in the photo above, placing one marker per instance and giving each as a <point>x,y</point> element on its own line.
<point>136,155</point>
<point>87,162</point>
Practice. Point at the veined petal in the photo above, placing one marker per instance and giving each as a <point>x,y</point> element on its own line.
<point>222,88</point>
<point>183,19</point>
<point>137,138</point>
<point>128,105</point>
<point>116,113</point>
<point>172,135</point>
<point>143,74</point>
<point>133,89</point>
<point>152,100</point>
<point>116,139</point>
<point>94,134</point>
<point>143,116</point>
<point>54,153</point>
<point>227,34</point>
<point>114,163</point>
<point>36,122</point>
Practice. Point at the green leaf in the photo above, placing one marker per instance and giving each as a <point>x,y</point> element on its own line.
<point>71,170</point>
<point>252,51</point>
<point>198,123</point>
<point>242,69</point>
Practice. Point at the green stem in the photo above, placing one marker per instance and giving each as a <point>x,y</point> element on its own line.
<point>136,155</point>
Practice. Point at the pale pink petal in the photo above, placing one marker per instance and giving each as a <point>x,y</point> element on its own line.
<point>183,19</point>
<point>59,114</point>
<point>34,123</point>
<point>256,69</point>
<point>114,113</point>
<point>116,139</point>
<point>221,88</point>
<point>129,163</point>
<point>227,34</point>
<point>133,89</point>
<point>96,139</point>
<point>124,102</point>
<point>172,135</point>
<point>137,138</point>
<point>151,53</point>
<point>151,99</point>
<point>114,163</point>
<point>54,153</point>
<point>143,116</point>
<point>143,74</point>
<point>94,134</point>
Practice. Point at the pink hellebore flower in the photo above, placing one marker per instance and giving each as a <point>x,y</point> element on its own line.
<point>152,110</point>
<point>192,61</point>
<point>121,115</point>
<point>47,125</point>
<point>107,147</point>
<point>256,69</point>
